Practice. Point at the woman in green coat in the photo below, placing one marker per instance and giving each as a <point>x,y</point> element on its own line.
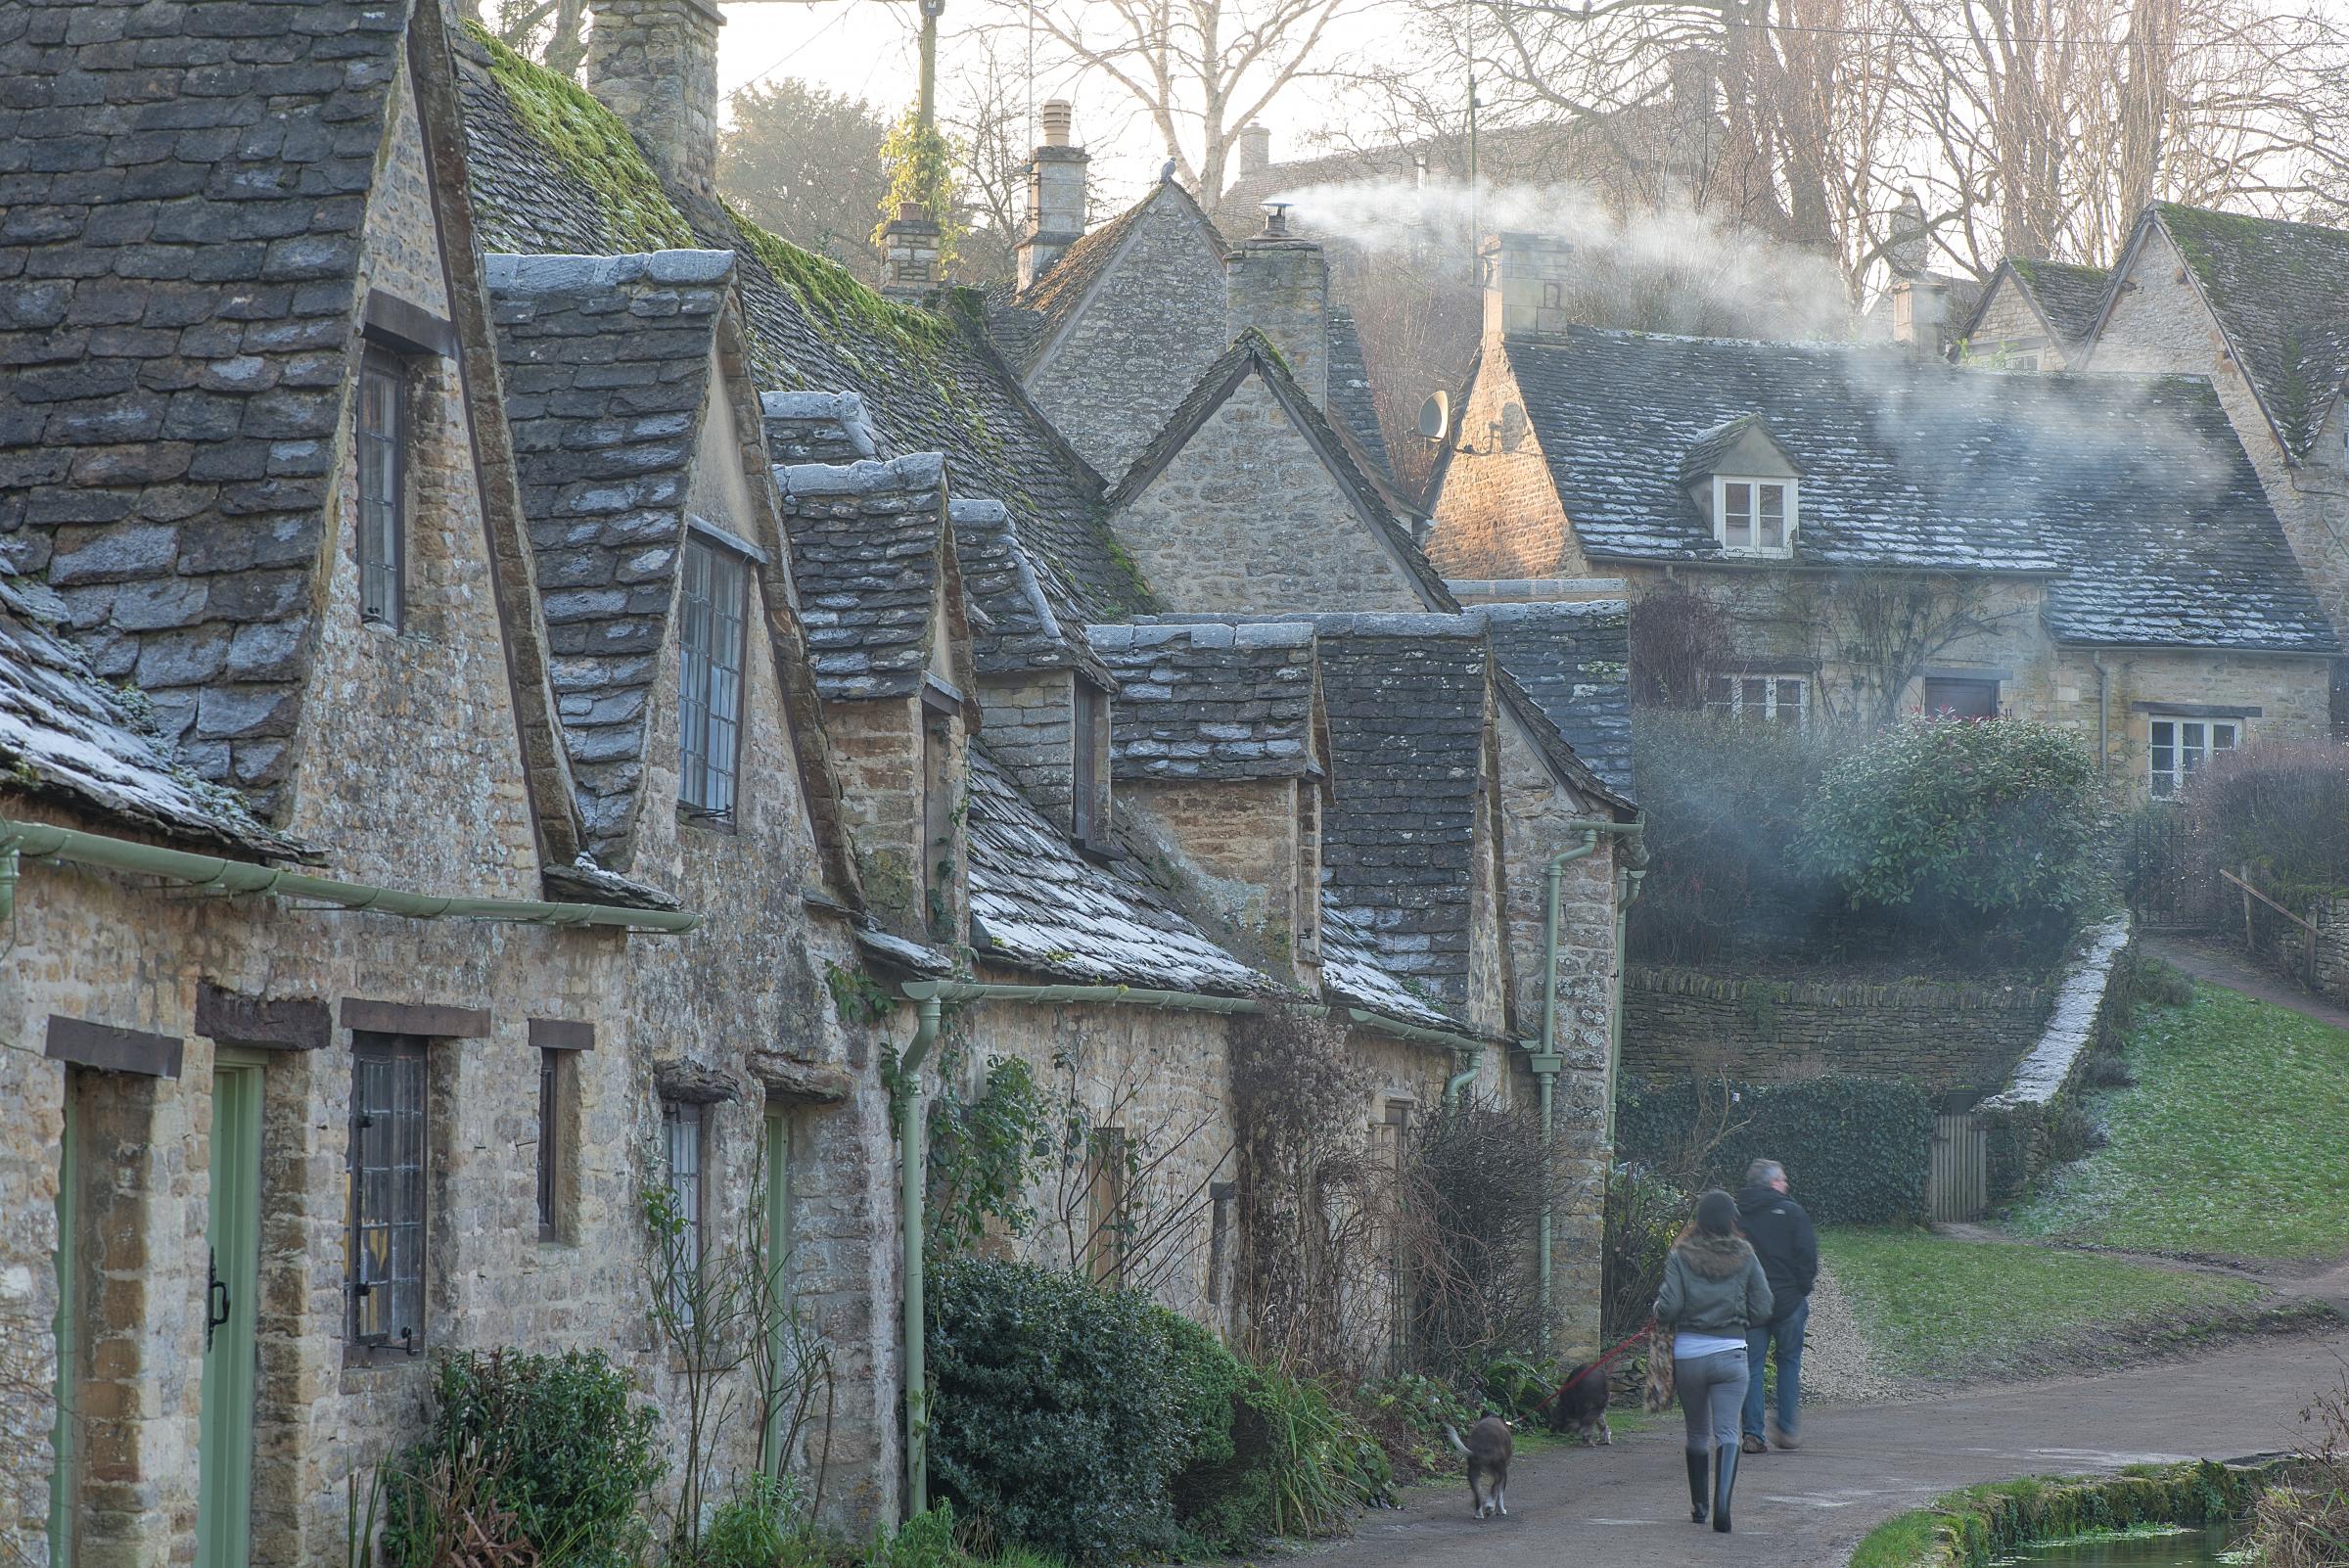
<point>1714,1291</point>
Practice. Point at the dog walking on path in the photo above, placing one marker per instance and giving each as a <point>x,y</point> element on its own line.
<point>1488,1447</point>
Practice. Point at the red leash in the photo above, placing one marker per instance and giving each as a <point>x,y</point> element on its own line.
<point>1604,1362</point>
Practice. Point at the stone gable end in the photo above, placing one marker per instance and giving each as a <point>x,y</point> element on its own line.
<point>1497,510</point>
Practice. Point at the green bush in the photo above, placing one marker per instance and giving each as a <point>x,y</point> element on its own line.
<point>764,1526</point>
<point>1857,1150</point>
<point>565,1448</point>
<point>1644,1214</point>
<point>1962,827</point>
<point>1301,1464</point>
<point>1051,1408</point>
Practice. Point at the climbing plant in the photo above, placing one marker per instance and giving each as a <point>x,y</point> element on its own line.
<point>920,163</point>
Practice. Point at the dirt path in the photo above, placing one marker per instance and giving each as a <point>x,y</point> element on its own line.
<point>2222,965</point>
<point>1628,1506</point>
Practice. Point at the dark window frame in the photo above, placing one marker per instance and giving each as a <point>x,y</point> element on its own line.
<point>388,1197</point>
<point>1088,774</point>
<point>713,610</point>
<point>551,1073</point>
<point>690,1188</point>
<point>1965,688</point>
<point>384,457</point>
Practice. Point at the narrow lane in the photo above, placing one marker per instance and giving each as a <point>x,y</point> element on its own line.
<point>1627,1507</point>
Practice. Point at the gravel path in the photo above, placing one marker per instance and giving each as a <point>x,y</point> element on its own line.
<point>1839,1365</point>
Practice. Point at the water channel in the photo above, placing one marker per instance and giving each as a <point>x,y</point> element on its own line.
<point>2185,1549</point>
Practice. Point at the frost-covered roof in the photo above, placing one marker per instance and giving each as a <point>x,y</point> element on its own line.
<point>1024,615</point>
<point>2281,293</point>
<point>1574,661</point>
<point>66,735</point>
<point>1038,905</point>
<point>185,189</point>
<point>604,362</point>
<point>867,555</point>
<point>2132,491</point>
<point>1212,700</point>
<point>2067,298</point>
<point>1350,972</point>
<point>1353,400</point>
<point>553,170</point>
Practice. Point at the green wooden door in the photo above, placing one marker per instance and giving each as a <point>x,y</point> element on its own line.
<point>60,1437</point>
<point>224,1501</point>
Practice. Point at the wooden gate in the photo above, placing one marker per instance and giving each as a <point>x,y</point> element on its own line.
<point>2171,883</point>
<point>1958,1187</point>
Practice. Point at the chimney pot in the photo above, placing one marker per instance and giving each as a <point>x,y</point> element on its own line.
<point>1276,221</point>
<point>1059,119</point>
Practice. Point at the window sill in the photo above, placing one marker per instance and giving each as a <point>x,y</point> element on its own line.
<point>708,821</point>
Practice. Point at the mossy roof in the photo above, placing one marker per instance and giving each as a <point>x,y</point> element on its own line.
<point>553,171</point>
<point>2281,293</point>
<point>2068,296</point>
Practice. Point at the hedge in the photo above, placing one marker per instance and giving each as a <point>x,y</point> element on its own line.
<point>1983,1525</point>
<point>1857,1150</point>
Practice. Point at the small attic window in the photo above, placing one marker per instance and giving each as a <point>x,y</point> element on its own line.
<point>382,442</point>
<point>710,679</point>
<point>1754,516</point>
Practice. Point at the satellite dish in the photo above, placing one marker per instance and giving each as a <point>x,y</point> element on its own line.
<point>1435,416</point>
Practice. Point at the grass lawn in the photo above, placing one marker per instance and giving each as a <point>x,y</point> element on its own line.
<point>2235,1142</point>
<point>1938,1306</point>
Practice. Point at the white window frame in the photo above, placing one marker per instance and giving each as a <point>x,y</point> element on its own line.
<point>1755,484</point>
<point>2185,753</point>
<point>1774,683</point>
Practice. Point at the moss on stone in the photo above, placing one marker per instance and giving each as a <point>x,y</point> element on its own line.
<point>1981,1525</point>
<point>593,147</point>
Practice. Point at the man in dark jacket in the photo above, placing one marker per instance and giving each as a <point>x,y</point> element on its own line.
<point>1782,1238</point>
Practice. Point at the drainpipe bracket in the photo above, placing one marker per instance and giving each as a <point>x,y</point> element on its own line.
<point>1545,1064</point>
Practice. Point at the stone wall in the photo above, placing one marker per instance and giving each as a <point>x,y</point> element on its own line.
<point>1150,327</point>
<point>1030,724</point>
<point>1251,848</point>
<point>2008,326</point>
<point>1246,518</point>
<point>1496,508</point>
<point>1946,1036</point>
<point>2017,1120</point>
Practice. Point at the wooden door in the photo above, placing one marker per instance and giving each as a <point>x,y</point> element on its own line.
<point>224,1455</point>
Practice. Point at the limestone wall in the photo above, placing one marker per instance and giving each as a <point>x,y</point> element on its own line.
<point>1497,511</point>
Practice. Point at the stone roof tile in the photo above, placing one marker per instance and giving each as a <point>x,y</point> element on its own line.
<point>2068,297</point>
<point>867,553</point>
<point>1207,700</point>
<point>1027,616</point>
<point>1574,661</point>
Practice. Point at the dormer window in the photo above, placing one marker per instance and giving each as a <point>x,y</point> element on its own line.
<point>1755,515</point>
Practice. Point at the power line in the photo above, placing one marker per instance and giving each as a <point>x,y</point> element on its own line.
<point>797,50</point>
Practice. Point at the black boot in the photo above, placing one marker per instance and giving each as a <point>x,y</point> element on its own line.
<point>1700,1485</point>
<point>1724,1481</point>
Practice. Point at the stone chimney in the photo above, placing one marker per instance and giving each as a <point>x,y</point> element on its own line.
<point>1526,279</point>
<point>1911,254</point>
<point>1920,314</point>
<point>1256,150</point>
<point>909,248</point>
<point>1055,195</point>
<point>653,62</point>
<point>1278,282</point>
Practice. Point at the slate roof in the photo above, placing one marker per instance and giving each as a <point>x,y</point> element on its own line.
<point>868,552</point>
<point>2068,297</point>
<point>1574,661</point>
<point>1209,700</point>
<point>2132,491</point>
<point>1038,905</point>
<point>1024,616</point>
<point>605,363</point>
<point>2281,293</point>
<point>1027,322</point>
<point>930,380</point>
<point>1382,510</point>
<point>1353,401</point>
<point>66,735</point>
<point>183,189</point>
<point>1703,458</point>
<point>1352,973</point>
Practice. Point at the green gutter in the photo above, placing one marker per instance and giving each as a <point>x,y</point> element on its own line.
<point>1546,1059</point>
<point>927,996</point>
<point>42,841</point>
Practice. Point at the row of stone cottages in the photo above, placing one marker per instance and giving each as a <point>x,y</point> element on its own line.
<point>523,690</point>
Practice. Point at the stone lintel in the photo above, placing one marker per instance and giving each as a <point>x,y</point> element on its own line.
<point>415,1018</point>
<point>271,1023</point>
<point>562,1034</point>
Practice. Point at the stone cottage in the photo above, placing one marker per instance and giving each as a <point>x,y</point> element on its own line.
<point>2093,551</point>
<point>2034,315</point>
<point>554,682</point>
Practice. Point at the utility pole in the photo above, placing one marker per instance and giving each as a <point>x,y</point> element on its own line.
<point>928,111</point>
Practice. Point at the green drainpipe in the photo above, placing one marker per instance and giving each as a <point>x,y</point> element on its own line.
<point>44,842</point>
<point>1546,1060</point>
<point>927,996</point>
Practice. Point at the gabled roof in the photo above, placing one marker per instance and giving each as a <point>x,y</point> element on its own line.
<point>65,735</point>
<point>1037,904</point>
<point>1022,616</point>
<point>1213,700</point>
<point>2132,491</point>
<point>553,170</point>
<point>2067,298</point>
<point>1353,400</point>
<point>1705,453</point>
<point>605,362</point>
<point>1573,660</point>
<point>1030,321</point>
<point>186,188</point>
<point>868,555</point>
<point>2280,292</point>
<point>1253,354</point>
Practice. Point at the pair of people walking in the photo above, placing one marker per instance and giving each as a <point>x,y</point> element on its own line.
<point>1728,1298</point>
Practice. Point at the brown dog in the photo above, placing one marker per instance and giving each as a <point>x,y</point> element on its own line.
<point>1581,1407</point>
<point>1488,1447</point>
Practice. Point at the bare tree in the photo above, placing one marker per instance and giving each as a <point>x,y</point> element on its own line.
<point>984,113</point>
<point>553,32</point>
<point>1876,631</point>
<point>1198,70</point>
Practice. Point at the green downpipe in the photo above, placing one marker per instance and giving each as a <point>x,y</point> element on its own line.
<point>1546,1060</point>
<point>44,842</point>
<point>927,996</point>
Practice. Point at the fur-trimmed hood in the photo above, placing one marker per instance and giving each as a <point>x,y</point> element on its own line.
<point>1714,1257</point>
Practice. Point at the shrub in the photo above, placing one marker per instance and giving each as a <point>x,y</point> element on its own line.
<point>1206,1383</point>
<point>1857,1149</point>
<point>2305,1524</point>
<point>564,1449</point>
<point>1644,1214</point>
<point>1301,1463</point>
<point>1051,1402</point>
<point>2280,809</point>
<point>1473,1185</point>
<point>1962,827</point>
